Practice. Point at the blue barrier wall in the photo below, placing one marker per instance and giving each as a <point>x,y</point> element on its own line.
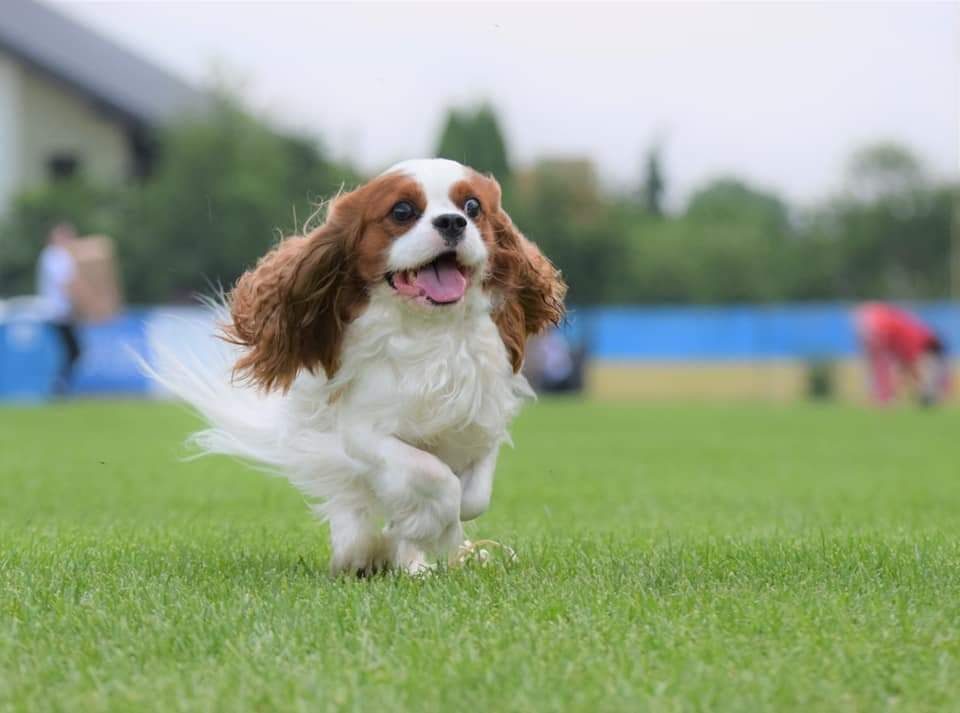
<point>735,333</point>
<point>30,352</point>
<point>108,364</point>
<point>29,355</point>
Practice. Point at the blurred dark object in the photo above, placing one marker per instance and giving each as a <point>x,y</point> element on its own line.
<point>553,366</point>
<point>934,373</point>
<point>820,380</point>
<point>654,186</point>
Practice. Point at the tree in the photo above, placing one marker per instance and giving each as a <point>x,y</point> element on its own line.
<point>226,188</point>
<point>885,170</point>
<point>473,137</point>
<point>890,230</point>
<point>559,206</point>
<point>885,248</point>
<point>731,201</point>
<point>653,183</point>
<point>686,261</point>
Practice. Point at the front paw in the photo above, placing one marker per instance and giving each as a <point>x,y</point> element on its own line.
<point>365,557</point>
<point>409,559</point>
<point>431,523</point>
<point>473,506</point>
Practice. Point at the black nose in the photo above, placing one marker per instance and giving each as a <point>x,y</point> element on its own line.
<point>450,226</point>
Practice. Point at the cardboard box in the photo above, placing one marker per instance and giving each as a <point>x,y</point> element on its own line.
<point>96,290</point>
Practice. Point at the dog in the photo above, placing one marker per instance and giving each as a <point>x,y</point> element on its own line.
<point>376,361</point>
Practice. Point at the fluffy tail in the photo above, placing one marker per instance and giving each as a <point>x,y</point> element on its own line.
<point>190,362</point>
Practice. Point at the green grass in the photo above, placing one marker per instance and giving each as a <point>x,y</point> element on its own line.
<point>670,558</point>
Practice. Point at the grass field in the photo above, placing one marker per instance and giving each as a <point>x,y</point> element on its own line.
<point>670,558</point>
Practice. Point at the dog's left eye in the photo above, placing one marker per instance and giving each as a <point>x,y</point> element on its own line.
<point>403,212</point>
<point>472,207</point>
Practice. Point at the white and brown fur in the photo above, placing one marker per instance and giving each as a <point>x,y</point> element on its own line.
<point>387,412</point>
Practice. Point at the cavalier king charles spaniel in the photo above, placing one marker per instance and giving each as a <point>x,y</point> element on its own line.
<point>375,362</point>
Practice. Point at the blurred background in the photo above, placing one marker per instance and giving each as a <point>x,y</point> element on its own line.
<point>721,184</point>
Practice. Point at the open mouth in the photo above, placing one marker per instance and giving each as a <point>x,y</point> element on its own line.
<point>442,281</point>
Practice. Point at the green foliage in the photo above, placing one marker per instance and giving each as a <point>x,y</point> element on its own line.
<point>729,201</point>
<point>670,558</point>
<point>886,236</point>
<point>91,209</point>
<point>892,246</point>
<point>884,169</point>
<point>225,190</point>
<point>722,249</point>
<point>474,137</point>
<point>683,260</point>
<point>820,380</point>
<point>227,187</point>
<point>558,205</point>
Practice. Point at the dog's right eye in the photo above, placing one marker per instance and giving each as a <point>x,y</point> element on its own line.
<point>403,212</point>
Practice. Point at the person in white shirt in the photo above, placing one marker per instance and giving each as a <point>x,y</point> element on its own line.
<point>56,271</point>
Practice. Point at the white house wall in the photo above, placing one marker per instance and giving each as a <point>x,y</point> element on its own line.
<point>10,100</point>
<point>58,119</point>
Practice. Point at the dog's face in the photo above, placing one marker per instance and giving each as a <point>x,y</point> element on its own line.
<point>430,230</point>
<point>441,249</point>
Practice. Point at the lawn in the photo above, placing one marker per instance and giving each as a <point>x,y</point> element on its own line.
<point>670,557</point>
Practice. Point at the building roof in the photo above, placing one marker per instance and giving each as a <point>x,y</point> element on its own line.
<point>123,82</point>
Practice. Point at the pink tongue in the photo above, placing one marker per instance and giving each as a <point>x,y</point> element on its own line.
<point>441,281</point>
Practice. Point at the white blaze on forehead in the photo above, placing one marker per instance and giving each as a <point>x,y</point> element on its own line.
<point>421,243</point>
<point>436,177</point>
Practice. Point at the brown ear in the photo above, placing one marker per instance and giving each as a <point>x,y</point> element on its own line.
<point>530,287</point>
<point>290,311</point>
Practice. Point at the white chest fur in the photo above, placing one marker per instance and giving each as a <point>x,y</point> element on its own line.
<point>439,380</point>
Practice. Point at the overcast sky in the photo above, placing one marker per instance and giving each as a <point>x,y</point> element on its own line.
<point>777,93</point>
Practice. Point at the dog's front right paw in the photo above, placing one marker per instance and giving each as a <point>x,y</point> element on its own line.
<point>431,523</point>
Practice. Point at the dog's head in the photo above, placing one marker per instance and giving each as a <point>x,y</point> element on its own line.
<point>429,230</point>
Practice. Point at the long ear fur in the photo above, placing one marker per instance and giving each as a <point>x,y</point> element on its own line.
<point>531,288</point>
<point>290,311</point>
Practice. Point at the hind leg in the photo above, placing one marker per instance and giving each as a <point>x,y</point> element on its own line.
<point>359,547</point>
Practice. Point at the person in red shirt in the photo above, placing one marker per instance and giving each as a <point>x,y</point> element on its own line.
<point>894,340</point>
